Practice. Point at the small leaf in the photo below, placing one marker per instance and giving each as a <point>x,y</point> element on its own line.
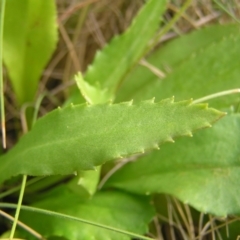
<point>93,95</point>
<point>112,64</point>
<point>81,137</point>
<point>115,209</point>
<point>30,36</point>
<point>203,171</point>
<point>86,182</point>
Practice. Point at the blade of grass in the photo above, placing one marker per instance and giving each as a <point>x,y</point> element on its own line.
<point>24,226</point>
<point>24,180</point>
<point>1,75</point>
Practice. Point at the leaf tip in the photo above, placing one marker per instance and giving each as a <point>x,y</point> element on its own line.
<point>142,151</point>
<point>188,134</point>
<point>130,103</point>
<point>170,139</point>
<point>208,125</point>
<point>156,146</point>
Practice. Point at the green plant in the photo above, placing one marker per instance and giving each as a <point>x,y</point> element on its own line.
<point>94,130</point>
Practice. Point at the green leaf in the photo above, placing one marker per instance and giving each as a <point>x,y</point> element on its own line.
<point>112,64</point>
<point>202,171</point>
<point>30,36</point>
<point>84,136</point>
<point>86,183</point>
<point>119,210</point>
<point>204,68</point>
<point>91,94</point>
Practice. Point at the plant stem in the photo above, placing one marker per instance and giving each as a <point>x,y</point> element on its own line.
<point>52,213</point>
<point>218,94</point>
<point>37,107</point>
<point>24,226</point>
<point>1,75</point>
<point>24,180</point>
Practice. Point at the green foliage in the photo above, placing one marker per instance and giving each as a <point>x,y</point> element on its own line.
<point>206,70</point>
<point>206,177</point>
<point>104,76</point>
<point>87,182</point>
<point>202,171</point>
<point>115,209</point>
<point>84,136</point>
<point>30,36</point>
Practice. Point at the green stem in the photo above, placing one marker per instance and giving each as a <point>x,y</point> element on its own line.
<point>218,94</point>
<point>28,229</point>
<point>52,213</point>
<point>1,74</point>
<point>37,107</point>
<point>24,180</point>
